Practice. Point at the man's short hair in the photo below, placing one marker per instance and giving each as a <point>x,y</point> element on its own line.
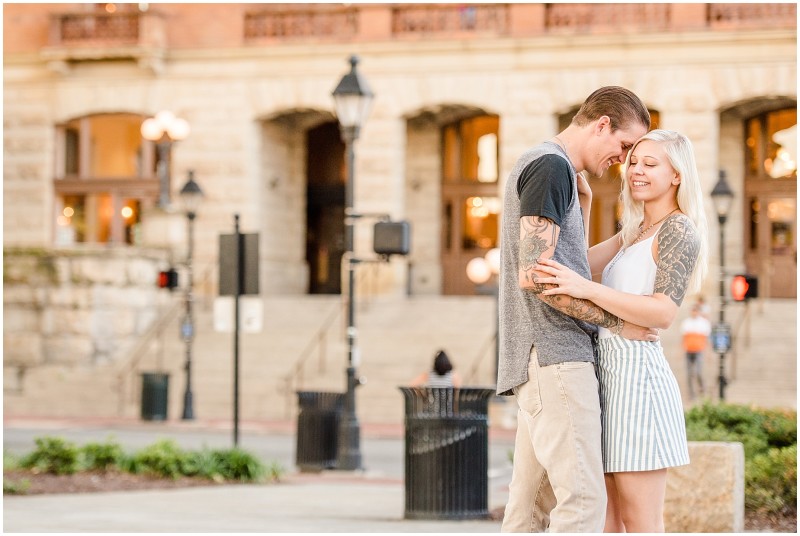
<point>621,105</point>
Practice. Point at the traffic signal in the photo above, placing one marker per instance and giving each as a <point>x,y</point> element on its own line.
<point>168,279</point>
<point>744,287</point>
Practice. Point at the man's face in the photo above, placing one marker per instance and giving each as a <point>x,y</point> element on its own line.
<point>612,147</point>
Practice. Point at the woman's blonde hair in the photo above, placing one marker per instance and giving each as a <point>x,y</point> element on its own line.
<point>689,196</point>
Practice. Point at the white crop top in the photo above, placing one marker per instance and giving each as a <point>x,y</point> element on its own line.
<point>632,270</point>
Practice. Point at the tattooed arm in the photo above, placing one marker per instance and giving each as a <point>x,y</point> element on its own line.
<point>676,250</point>
<point>538,238</point>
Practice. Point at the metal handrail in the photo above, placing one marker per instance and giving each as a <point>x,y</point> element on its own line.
<point>480,357</point>
<point>138,352</point>
<point>317,341</point>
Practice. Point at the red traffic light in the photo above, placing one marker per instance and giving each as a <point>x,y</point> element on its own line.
<point>744,287</point>
<point>168,279</point>
<point>739,286</point>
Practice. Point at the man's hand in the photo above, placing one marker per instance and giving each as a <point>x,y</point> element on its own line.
<point>636,332</point>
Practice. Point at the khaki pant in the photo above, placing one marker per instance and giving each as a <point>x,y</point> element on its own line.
<point>557,484</point>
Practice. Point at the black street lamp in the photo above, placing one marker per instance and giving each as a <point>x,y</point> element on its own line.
<point>191,196</point>
<point>164,129</point>
<point>722,196</point>
<point>353,100</point>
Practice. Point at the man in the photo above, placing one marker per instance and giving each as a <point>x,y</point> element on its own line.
<point>547,357</point>
<point>695,331</point>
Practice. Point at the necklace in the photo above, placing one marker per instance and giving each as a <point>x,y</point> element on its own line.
<point>642,233</point>
<point>560,143</point>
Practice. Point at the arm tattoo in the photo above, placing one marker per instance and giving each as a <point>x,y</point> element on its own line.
<point>537,236</point>
<point>678,247</point>
<point>583,310</point>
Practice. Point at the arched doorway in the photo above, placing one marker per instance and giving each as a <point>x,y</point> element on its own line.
<point>770,198</point>
<point>452,166</point>
<point>325,173</point>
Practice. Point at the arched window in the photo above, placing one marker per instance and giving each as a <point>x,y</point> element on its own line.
<point>104,178</point>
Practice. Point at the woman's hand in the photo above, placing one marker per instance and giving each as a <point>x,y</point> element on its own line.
<point>567,281</point>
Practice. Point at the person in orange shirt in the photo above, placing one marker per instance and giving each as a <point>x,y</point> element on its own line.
<point>695,331</point>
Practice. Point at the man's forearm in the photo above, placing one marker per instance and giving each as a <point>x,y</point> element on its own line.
<point>581,309</point>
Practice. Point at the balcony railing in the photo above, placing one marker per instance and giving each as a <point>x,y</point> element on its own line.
<point>138,36</point>
<point>425,20</point>
<point>752,15</point>
<point>81,29</point>
<point>303,23</point>
<point>607,17</point>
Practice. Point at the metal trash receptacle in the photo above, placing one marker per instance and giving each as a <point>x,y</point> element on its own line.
<point>318,430</point>
<point>155,396</point>
<point>446,452</point>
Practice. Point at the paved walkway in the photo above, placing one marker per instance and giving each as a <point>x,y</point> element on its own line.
<point>372,500</point>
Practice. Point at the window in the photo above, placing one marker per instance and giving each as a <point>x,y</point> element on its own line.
<point>771,145</point>
<point>105,177</point>
<point>470,150</point>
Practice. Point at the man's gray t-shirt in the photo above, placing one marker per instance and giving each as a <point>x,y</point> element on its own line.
<point>548,190</point>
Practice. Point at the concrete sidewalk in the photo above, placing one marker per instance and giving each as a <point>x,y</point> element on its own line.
<point>372,500</point>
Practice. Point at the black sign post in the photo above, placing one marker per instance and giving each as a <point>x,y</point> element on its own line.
<point>238,275</point>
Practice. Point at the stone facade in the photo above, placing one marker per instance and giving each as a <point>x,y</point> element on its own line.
<point>251,100</point>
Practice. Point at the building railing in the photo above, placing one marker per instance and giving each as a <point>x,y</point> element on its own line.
<point>607,17</point>
<point>479,19</point>
<point>464,21</point>
<point>75,36</point>
<point>79,28</point>
<point>752,15</point>
<point>301,23</point>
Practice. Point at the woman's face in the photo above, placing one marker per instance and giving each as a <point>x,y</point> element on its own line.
<point>650,176</point>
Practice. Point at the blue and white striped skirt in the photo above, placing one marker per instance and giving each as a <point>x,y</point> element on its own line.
<point>643,423</point>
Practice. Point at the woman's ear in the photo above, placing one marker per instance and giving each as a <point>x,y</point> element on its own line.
<point>677,180</point>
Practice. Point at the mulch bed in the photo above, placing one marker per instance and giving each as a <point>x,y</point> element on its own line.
<point>93,481</point>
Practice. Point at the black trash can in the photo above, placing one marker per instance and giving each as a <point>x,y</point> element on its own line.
<point>318,430</point>
<point>155,395</point>
<point>447,452</point>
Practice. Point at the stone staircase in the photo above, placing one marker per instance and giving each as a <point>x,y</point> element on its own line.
<point>397,339</point>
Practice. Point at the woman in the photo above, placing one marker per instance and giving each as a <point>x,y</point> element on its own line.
<point>647,269</point>
<point>442,374</point>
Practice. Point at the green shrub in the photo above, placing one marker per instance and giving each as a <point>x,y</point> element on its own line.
<point>52,455</point>
<point>101,455</point>
<point>771,480</point>
<point>237,464</point>
<point>10,461</point>
<point>163,458</point>
<point>13,487</point>
<point>770,449</point>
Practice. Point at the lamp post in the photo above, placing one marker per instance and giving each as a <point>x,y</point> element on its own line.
<point>164,129</point>
<point>484,272</point>
<point>722,196</point>
<point>353,100</point>
<point>191,196</point>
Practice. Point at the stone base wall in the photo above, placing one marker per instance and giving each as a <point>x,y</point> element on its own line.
<point>68,308</point>
<point>708,494</point>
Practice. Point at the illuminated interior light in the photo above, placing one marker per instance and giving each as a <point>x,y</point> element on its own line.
<point>69,212</point>
<point>126,212</point>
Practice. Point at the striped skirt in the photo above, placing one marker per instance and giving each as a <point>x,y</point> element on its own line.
<point>643,423</point>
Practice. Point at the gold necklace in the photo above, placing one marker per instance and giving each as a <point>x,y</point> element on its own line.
<point>642,233</point>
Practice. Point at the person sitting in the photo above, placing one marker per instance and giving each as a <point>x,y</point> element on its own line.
<point>442,374</point>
